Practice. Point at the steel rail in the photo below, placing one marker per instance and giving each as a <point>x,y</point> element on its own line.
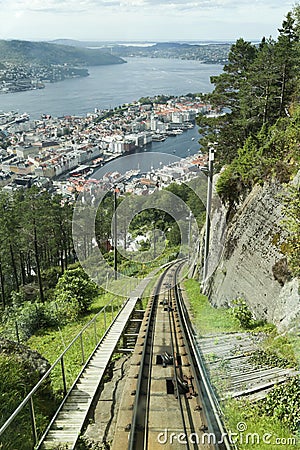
<point>213,404</point>
<point>175,352</point>
<point>149,371</point>
<point>133,429</point>
<point>146,373</point>
<point>177,318</point>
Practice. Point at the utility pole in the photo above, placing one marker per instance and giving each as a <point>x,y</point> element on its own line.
<point>115,234</point>
<point>2,285</point>
<point>208,209</point>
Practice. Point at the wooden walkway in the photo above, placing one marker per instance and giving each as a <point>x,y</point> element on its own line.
<point>68,422</point>
<point>227,358</point>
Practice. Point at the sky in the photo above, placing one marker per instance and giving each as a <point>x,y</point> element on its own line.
<point>146,20</point>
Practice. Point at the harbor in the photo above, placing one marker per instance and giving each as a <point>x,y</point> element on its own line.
<point>69,152</point>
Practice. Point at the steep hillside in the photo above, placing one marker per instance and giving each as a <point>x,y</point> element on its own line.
<point>250,264</point>
<point>42,53</point>
<point>257,151</point>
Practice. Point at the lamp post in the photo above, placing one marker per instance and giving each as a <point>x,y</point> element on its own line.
<point>2,285</point>
<point>208,209</point>
<point>189,218</point>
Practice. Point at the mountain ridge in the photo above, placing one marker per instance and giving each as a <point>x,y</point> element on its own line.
<point>44,53</point>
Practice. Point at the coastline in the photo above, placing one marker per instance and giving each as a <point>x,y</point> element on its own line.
<point>109,86</point>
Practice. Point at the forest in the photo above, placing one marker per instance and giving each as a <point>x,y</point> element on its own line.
<point>256,137</point>
<point>45,54</point>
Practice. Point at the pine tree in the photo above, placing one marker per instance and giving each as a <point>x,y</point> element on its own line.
<point>256,88</point>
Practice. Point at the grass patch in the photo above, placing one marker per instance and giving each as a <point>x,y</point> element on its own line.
<point>295,343</point>
<point>52,342</point>
<point>262,432</point>
<point>266,428</point>
<point>206,318</point>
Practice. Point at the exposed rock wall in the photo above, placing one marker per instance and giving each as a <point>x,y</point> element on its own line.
<point>31,358</point>
<point>250,264</point>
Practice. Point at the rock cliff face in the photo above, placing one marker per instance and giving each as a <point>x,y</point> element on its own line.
<point>249,263</point>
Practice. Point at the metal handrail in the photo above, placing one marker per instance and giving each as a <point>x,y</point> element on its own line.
<point>58,360</point>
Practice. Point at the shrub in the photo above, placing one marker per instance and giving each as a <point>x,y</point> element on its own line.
<point>283,402</point>
<point>268,358</point>
<point>74,293</point>
<point>242,312</point>
<point>37,316</point>
<point>29,318</point>
<point>51,276</point>
<point>18,298</point>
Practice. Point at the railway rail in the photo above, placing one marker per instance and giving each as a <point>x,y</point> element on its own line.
<point>167,400</point>
<point>66,424</point>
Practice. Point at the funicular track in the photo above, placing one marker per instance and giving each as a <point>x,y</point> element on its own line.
<point>68,421</point>
<point>167,400</point>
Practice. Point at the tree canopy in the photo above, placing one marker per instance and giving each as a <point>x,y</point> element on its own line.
<point>256,88</point>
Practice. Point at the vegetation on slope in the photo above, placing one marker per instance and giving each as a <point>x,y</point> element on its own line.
<point>15,383</point>
<point>277,416</point>
<point>273,153</point>
<point>43,53</point>
<point>292,225</point>
<point>256,88</point>
<point>257,138</point>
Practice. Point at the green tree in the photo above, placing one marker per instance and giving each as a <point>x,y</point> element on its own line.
<point>263,85</point>
<point>257,87</point>
<point>286,52</point>
<point>35,234</point>
<point>231,88</point>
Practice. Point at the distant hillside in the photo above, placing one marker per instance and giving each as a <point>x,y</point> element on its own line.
<point>74,43</point>
<point>42,53</point>
<point>211,53</point>
<point>91,44</point>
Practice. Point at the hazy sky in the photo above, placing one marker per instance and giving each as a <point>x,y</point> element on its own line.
<point>153,20</point>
